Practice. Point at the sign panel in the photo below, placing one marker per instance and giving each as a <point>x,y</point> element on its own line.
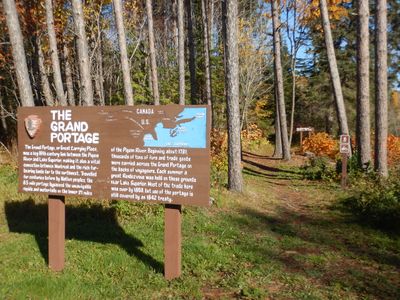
<point>344,146</point>
<point>304,129</point>
<point>345,139</point>
<point>139,153</point>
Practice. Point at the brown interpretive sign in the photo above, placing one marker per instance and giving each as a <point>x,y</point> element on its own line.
<point>139,153</point>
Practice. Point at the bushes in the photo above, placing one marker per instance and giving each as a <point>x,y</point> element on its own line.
<point>219,157</point>
<point>393,150</point>
<point>321,144</point>
<point>319,168</point>
<point>376,200</point>
<point>253,138</point>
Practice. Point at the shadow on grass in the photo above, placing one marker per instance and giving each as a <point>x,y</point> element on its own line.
<point>301,237</point>
<point>268,168</point>
<point>254,172</point>
<point>260,156</point>
<point>95,223</point>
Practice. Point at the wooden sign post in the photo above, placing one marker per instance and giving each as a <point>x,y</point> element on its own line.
<point>56,232</point>
<point>301,130</point>
<point>345,149</point>
<point>172,241</point>
<point>158,154</point>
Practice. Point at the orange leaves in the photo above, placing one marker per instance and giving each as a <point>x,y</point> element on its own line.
<point>393,150</point>
<point>321,144</point>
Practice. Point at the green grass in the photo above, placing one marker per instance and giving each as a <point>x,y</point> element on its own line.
<point>281,239</point>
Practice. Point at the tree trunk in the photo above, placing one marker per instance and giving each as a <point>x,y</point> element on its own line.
<point>278,137</point>
<point>207,67</point>
<point>192,53</point>
<point>68,77</point>
<point>211,26</point>
<point>128,93</point>
<point>100,72</point>
<point>153,63</point>
<point>279,81</point>
<point>235,180</point>
<point>44,80</point>
<point>381,105</point>
<point>175,32</point>
<point>181,53</point>
<point>55,61</point>
<point>18,53</point>
<point>2,115</point>
<point>363,115</point>
<point>83,54</point>
<point>337,88</point>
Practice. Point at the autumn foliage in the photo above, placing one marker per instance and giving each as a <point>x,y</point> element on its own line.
<point>321,144</point>
<point>393,150</point>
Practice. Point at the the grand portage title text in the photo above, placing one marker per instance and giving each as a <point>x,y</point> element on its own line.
<point>64,130</point>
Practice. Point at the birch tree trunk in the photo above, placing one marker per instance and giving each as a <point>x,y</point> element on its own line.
<point>83,54</point>
<point>235,180</point>
<point>44,80</point>
<point>363,114</point>
<point>192,53</point>
<point>18,53</point>
<point>153,63</point>
<point>68,77</point>
<point>55,61</point>
<point>181,53</point>
<point>124,53</point>
<point>279,81</point>
<point>381,105</point>
<point>207,67</point>
<point>337,87</point>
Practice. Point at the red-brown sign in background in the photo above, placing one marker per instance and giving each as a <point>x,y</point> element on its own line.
<point>139,153</point>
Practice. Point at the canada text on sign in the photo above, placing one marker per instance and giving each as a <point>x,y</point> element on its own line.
<point>304,129</point>
<point>139,153</point>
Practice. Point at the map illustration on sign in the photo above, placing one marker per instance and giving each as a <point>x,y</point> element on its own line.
<point>187,130</point>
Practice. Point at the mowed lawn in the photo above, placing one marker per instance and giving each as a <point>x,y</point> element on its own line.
<point>281,239</point>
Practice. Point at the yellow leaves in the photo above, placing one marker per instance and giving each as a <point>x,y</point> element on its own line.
<point>396,99</point>
<point>260,108</point>
<point>312,12</point>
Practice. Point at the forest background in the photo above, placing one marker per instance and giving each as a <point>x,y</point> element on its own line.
<point>304,60</point>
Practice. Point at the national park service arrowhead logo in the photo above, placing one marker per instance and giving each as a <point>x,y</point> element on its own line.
<point>32,125</point>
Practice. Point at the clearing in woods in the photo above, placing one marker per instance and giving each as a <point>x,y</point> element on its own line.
<point>282,238</point>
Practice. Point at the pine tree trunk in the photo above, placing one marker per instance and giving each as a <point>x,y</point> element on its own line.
<point>83,54</point>
<point>62,100</point>
<point>363,115</point>
<point>381,105</point>
<point>2,116</point>
<point>128,93</point>
<point>337,88</point>
<point>100,72</point>
<point>278,137</point>
<point>235,180</point>
<point>207,67</point>
<point>18,53</point>
<point>44,80</point>
<point>192,53</point>
<point>211,26</point>
<point>279,81</point>
<point>68,77</point>
<point>153,63</point>
<point>181,53</point>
